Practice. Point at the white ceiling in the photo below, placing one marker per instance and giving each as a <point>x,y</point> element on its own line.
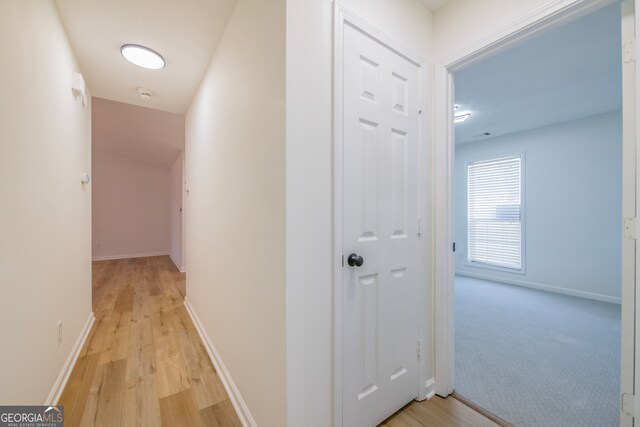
<point>434,5</point>
<point>570,72</point>
<point>184,32</point>
<point>149,136</point>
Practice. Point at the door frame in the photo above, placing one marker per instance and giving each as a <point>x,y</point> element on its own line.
<point>539,20</point>
<point>343,17</point>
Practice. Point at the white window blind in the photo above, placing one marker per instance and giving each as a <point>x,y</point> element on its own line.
<point>494,212</point>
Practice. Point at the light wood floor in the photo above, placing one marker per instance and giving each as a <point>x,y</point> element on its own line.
<point>143,363</point>
<point>438,412</point>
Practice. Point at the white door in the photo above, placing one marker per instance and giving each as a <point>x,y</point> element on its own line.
<point>380,225</point>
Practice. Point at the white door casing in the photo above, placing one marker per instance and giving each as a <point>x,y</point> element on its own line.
<point>551,14</point>
<point>380,186</point>
<point>629,165</point>
<point>630,362</point>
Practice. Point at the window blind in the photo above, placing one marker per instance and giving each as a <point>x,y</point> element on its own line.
<point>494,212</point>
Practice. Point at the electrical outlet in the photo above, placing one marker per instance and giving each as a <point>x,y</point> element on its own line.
<point>59,331</point>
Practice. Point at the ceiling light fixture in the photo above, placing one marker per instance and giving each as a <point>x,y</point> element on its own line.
<point>142,56</point>
<point>459,118</point>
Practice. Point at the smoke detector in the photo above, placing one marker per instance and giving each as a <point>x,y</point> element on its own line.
<point>145,94</point>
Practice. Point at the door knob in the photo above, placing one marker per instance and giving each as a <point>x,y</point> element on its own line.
<point>355,260</point>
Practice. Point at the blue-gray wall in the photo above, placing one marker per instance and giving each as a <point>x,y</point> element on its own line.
<point>572,206</point>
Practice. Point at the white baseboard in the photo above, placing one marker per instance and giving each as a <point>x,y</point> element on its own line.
<point>431,388</point>
<point>127,256</point>
<point>63,377</point>
<point>246,419</point>
<point>180,268</point>
<point>541,287</point>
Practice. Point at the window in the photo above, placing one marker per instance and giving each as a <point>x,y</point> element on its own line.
<point>494,212</point>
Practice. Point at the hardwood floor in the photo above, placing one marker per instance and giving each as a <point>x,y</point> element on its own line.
<point>438,412</point>
<point>143,363</point>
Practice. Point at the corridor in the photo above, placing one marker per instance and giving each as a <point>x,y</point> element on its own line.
<point>143,362</point>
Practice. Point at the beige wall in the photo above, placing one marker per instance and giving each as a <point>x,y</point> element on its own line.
<point>130,207</point>
<point>45,248</point>
<point>461,23</point>
<point>309,213</point>
<point>235,174</point>
<point>151,136</point>
<point>176,212</point>
<point>407,21</point>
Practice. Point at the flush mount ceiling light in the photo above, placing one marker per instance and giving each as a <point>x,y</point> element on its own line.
<point>459,118</point>
<point>142,56</point>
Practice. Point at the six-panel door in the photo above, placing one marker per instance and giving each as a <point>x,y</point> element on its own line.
<point>380,215</point>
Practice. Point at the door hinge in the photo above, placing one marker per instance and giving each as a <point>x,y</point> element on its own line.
<point>630,228</point>
<point>419,105</point>
<point>454,246</point>
<point>629,404</point>
<point>419,347</point>
<point>629,51</point>
<point>419,227</point>
<point>343,260</point>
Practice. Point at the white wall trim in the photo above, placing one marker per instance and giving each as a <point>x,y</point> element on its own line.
<point>553,13</point>
<point>127,256</point>
<point>444,334</point>
<point>425,324</point>
<point>540,286</point>
<point>63,376</point>
<point>338,115</point>
<point>630,357</point>
<point>430,385</point>
<point>180,268</point>
<point>246,419</point>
